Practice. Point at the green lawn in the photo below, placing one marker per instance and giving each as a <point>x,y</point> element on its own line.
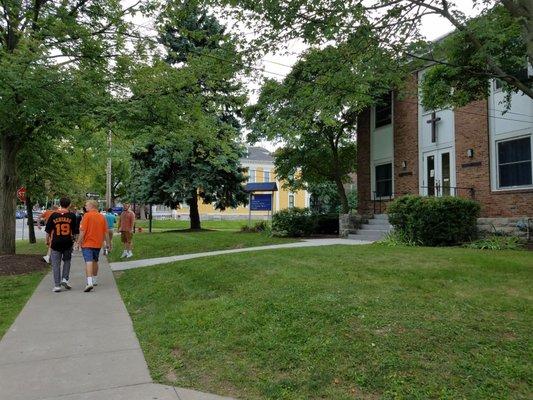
<point>14,293</point>
<point>166,224</point>
<point>24,247</point>
<point>363,322</point>
<point>170,243</point>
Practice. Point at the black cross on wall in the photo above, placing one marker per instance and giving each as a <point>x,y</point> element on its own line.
<point>433,121</point>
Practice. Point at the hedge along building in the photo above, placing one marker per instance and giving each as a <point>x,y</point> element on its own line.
<point>478,151</point>
<point>260,165</point>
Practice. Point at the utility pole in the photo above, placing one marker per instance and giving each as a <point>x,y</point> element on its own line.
<point>109,181</point>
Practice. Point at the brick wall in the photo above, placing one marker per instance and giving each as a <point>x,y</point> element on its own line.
<point>364,205</point>
<point>472,132</point>
<point>406,138</point>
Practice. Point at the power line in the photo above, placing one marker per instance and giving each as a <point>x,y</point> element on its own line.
<point>240,63</point>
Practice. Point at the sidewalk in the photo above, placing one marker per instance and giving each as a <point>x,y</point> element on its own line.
<point>148,262</point>
<point>78,346</point>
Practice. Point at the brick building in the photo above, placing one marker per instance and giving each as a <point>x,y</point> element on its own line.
<point>478,151</point>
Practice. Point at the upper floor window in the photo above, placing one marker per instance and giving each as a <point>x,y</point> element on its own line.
<point>383,111</point>
<point>514,162</point>
<point>251,175</point>
<point>291,200</point>
<point>266,175</point>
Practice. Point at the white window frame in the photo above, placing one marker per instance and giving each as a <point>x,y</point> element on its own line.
<point>251,176</point>
<point>266,173</point>
<point>293,196</point>
<point>496,169</point>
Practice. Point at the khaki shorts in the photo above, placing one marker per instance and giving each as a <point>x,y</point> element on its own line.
<point>125,237</point>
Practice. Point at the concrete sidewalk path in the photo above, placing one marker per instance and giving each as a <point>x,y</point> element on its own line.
<point>148,262</point>
<point>79,346</point>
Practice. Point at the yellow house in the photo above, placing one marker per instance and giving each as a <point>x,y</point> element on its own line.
<point>260,164</point>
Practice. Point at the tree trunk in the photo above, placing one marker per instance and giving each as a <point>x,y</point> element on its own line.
<point>31,226</point>
<point>345,206</point>
<point>194,214</point>
<point>142,212</point>
<point>8,195</point>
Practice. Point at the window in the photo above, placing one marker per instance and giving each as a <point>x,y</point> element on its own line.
<point>291,200</point>
<point>384,180</point>
<point>521,75</point>
<point>251,176</point>
<point>383,111</point>
<point>266,176</point>
<point>514,162</point>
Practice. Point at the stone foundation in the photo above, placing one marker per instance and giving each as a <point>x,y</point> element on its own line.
<point>349,223</point>
<point>515,226</point>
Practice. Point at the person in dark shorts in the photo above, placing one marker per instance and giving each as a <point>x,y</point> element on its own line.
<point>62,230</point>
<point>93,232</point>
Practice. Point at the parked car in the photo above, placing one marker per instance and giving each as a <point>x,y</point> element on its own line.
<point>37,217</point>
<point>19,214</point>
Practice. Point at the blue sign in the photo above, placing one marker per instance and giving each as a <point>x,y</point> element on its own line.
<point>118,210</point>
<point>261,202</point>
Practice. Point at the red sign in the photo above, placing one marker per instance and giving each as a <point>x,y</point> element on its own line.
<point>21,194</point>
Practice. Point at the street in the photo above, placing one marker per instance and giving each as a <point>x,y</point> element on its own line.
<point>23,234</point>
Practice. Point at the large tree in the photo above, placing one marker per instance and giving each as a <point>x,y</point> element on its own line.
<point>313,112</point>
<point>461,70</point>
<point>397,24</point>
<point>195,109</point>
<point>51,54</point>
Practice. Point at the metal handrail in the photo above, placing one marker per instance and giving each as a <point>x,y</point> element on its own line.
<point>377,201</point>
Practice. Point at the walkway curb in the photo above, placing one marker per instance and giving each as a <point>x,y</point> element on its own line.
<point>148,262</point>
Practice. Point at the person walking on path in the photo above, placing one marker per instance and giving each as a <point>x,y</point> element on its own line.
<point>125,227</point>
<point>45,216</point>
<point>61,229</point>
<point>93,232</point>
<point>110,219</point>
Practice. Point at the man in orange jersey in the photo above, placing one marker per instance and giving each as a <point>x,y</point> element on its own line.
<point>93,232</point>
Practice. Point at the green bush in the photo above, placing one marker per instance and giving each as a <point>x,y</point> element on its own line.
<point>397,238</point>
<point>293,222</point>
<point>434,221</point>
<point>497,242</point>
<point>325,224</point>
<point>258,227</point>
<point>298,222</point>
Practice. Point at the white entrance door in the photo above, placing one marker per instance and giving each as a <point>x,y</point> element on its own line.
<point>439,173</point>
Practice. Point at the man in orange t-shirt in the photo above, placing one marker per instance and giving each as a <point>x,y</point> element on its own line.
<point>93,232</point>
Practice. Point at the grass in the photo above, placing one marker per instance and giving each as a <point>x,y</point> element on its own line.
<point>363,322</point>
<point>24,247</point>
<point>14,293</point>
<point>173,224</point>
<point>16,290</point>
<point>171,243</point>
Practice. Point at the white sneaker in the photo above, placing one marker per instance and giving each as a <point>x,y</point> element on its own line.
<point>56,289</point>
<point>88,288</point>
<point>46,259</point>
<point>65,284</point>
<point>129,254</point>
<point>124,254</point>
<point>95,282</point>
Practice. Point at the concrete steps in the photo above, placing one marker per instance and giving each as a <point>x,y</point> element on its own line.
<point>376,229</point>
